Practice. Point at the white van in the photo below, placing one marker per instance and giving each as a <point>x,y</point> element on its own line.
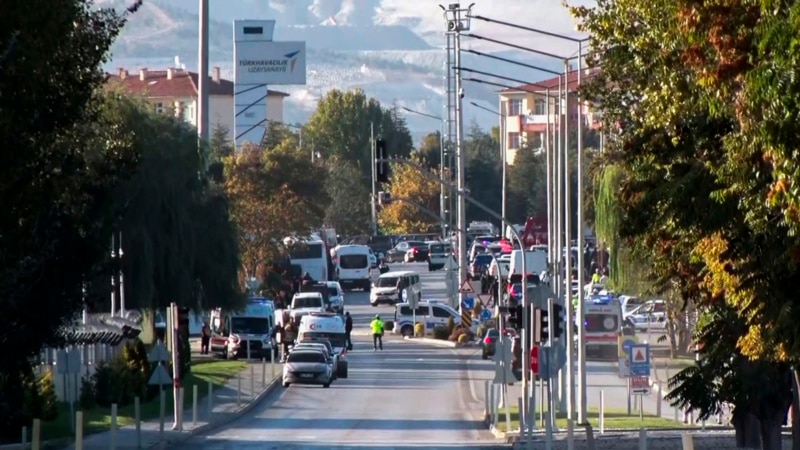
<point>385,288</point>
<point>432,314</point>
<point>353,266</point>
<point>535,261</point>
<point>439,254</point>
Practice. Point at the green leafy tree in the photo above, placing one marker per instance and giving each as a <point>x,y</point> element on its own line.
<point>527,185</point>
<point>57,175</point>
<point>430,149</point>
<point>348,210</point>
<point>483,172</point>
<point>340,127</point>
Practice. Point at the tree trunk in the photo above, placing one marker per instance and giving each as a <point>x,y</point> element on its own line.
<point>747,428</point>
<point>795,409</point>
<point>771,438</point>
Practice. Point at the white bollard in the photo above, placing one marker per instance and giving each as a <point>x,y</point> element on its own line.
<point>642,438</point>
<point>239,390</point>
<point>519,417</point>
<point>210,399</point>
<point>36,439</point>
<point>264,371</point>
<point>601,420</point>
<point>570,435</point>
<point>686,441</point>
<point>659,400</point>
<point>677,416</point>
<point>181,402</point>
<point>272,362</point>
<point>79,430</point>
<point>113,431</point>
<point>486,400</point>
<point>252,381</point>
<point>137,417</point>
<point>194,405</point>
<point>548,428</point>
<point>24,438</point>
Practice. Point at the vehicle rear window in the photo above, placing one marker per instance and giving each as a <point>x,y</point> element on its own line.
<point>306,357</point>
<point>307,302</point>
<point>438,248</point>
<point>493,333</point>
<point>601,323</point>
<point>483,259</point>
<point>353,261</point>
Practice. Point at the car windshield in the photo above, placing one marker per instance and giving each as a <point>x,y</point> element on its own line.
<point>306,357</point>
<point>386,282</point>
<point>336,340</point>
<point>353,261</point>
<point>492,332</point>
<point>415,244</point>
<point>483,259</point>
<point>249,325</point>
<point>307,302</point>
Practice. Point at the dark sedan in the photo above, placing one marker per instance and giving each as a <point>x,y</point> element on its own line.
<point>398,253</point>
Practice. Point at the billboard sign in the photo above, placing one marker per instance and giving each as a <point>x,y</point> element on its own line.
<point>270,62</point>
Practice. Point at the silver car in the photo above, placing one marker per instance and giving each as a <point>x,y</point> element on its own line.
<point>307,367</point>
<point>322,346</point>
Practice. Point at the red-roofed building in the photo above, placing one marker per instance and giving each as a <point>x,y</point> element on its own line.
<point>174,91</point>
<point>526,112</point>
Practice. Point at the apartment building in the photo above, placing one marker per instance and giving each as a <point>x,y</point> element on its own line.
<point>174,91</point>
<point>526,111</point>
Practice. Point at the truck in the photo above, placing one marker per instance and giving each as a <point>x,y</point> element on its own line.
<point>244,333</point>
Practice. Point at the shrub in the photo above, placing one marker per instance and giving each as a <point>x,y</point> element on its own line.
<point>103,381</point>
<point>31,399</point>
<point>451,324</point>
<point>419,329</point>
<point>135,357</point>
<point>48,400</point>
<point>440,332</point>
<point>463,339</point>
<point>86,399</point>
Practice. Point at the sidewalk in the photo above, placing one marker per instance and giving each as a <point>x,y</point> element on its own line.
<point>226,407</point>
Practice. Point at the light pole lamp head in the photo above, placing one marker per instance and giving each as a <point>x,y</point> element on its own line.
<point>457,18</point>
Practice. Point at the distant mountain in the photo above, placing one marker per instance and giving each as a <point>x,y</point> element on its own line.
<point>390,48</point>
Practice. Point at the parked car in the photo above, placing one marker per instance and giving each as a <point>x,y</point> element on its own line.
<point>417,254</point>
<point>489,343</point>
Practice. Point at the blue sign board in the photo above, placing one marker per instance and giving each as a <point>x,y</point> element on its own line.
<point>468,302</point>
<point>627,344</point>
<point>551,360</point>
<point>639,357</point>
<point>486,314</point>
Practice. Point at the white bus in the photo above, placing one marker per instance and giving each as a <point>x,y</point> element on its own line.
<point>312,256</point>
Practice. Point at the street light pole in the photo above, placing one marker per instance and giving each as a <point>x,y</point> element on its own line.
<point>503,156</point>
<point>582,419</point>
<point>202,75</point>
<point>568,260</point>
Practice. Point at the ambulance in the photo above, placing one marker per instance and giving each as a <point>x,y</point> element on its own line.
<point>239,334</point>
<point>317,326</point>
<point>602,316</point>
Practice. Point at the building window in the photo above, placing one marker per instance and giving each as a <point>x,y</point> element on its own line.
<point>515,107</point>
<point>159,108</point>
<point>539,107</point>
<point>514,140</point>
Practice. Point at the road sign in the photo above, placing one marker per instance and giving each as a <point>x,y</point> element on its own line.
<point>160,376</point>
<point>535,359</point>
<point>640,360</point>
<point>468,303</point>
<point>159,353</point>
<point>466,287</point>
<point>485,299</point>
<point>640,385</point>
<point>486,314</point>
<point>625,344</point>
<point>68,362</point>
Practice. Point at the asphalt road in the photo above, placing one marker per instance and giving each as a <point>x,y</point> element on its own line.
<point>410,395</point>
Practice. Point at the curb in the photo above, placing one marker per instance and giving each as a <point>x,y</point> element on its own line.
<point>271,387</point>
<point>508,438</point>
<point>438,342</point>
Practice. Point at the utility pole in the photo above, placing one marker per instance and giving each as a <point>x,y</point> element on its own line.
<point>582,419</point>
<point>570,309</point>
<point>374,197</point>
<point>202,77</point>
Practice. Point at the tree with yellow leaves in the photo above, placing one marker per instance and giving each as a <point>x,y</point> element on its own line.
<point>274,193</point>
<point>403,217</point>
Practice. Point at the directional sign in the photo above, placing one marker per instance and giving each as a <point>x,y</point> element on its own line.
<point>640,385</point>
<point>159,353</point>
<point>486,314</point>
<point>466,287</point>
<point>468,303</point>
<point>625,344</point>
<point>640,360</point>
<point>485,299</point>
<point>160,376</point>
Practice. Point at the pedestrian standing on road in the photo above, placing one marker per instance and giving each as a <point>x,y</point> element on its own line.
<point>205,338</point>
<point>377,333</point>
<point>348,330</point>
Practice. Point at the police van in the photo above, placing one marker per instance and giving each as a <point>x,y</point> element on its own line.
<point>330,327</point>
<point>430,313</point>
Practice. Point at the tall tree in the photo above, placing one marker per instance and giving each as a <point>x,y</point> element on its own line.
<point>527,185</point>
<point>341,124</point>
<point>57,174</point>
<point>404,217</point>
<point>483,172</point>
<point>274,194</point>
<point>348,210</point>
<point>430,149</point>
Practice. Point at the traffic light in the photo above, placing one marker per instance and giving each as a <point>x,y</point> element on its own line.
<point>381,166</point>
<point>515,317</point>
<point>558,318</point>
<point>541,331</point>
